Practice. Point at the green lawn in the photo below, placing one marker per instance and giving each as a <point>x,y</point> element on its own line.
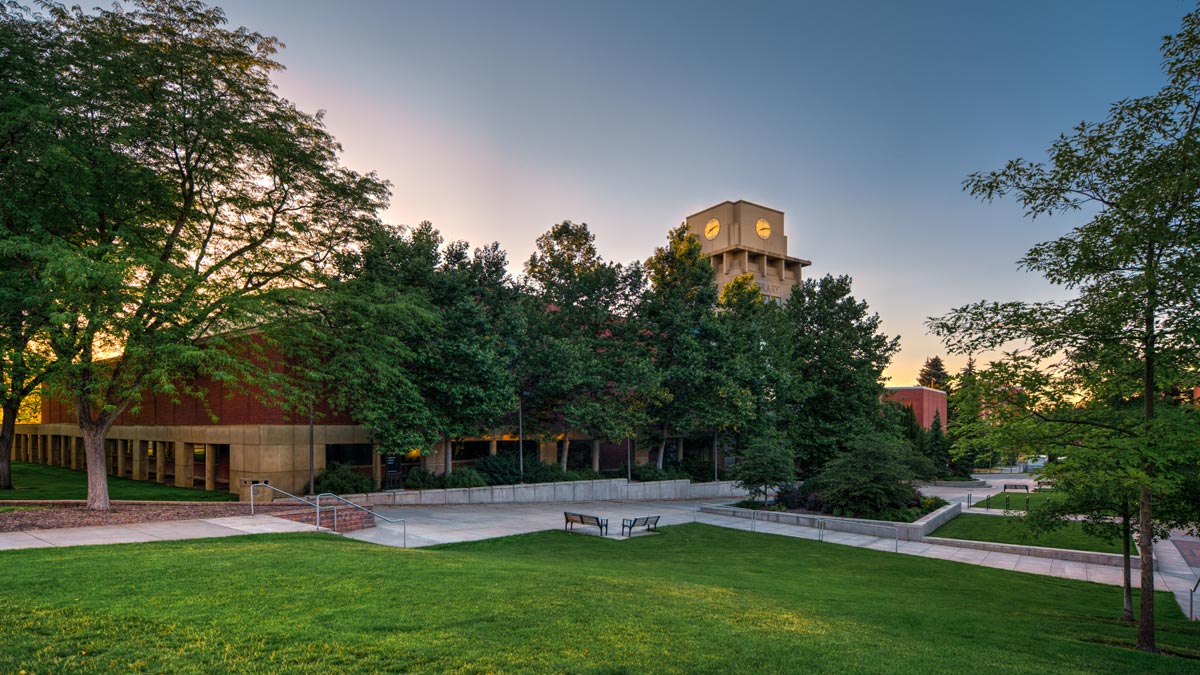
<point>1009,530</point>
<point>692,599</point>
<point>1017,500</point>
<point>38,481</point>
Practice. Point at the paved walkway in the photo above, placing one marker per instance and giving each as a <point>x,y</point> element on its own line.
<point>156,531</point>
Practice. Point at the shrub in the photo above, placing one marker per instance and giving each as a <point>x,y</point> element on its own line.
<point>791,497</point>
<point>870,477</point>
<point>421,478</point>
<point>647,473</point>
<point>543,472</point>
<point>698,469</point>
<point>465,477</point>
<point>342,480</point>
<point>584,474</point>
<point>500,469</point>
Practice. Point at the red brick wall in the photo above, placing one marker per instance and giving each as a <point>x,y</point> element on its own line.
<point>924,402</point>
<point>231,407</point>
<point>349,519</point>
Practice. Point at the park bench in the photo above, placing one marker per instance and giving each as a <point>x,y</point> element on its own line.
<point>1045,485</point>
<point>648,522</point>
<point>573,519</point>
<point>1015,486</point>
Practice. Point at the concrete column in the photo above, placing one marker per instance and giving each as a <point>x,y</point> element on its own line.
<point>141,462</point>
<point>121,446</point>
<point>160,461</point>
<point>448,456</point>
<point>492,447</point>
<point>210,467</point>
<point>595,455</point>
<point>376,471</point>
<point>185,464</point>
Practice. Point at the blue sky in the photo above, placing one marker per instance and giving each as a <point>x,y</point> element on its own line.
<point>495,120</point>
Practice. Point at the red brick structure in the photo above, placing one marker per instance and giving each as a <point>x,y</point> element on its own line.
<point>924,402</point>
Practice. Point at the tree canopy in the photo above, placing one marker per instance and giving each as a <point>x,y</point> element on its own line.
<point>1118,358</point>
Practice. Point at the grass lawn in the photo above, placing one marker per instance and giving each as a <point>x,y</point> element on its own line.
<point>38,481</point>
<point>1017,501</point>
<point>1007,530</point>
<point>692,599</point>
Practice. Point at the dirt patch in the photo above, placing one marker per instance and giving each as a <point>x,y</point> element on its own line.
<point>53,516</point>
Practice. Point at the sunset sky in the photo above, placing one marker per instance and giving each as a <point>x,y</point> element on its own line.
<point>859,120</point>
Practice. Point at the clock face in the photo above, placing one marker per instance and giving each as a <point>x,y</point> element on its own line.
<point>763,228</point>
<point>711,229</point>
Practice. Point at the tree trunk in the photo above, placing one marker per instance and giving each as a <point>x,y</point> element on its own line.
<point>97,474</point>
<point>1145,635</point>
<point>8,431</point>
<point>566,448</point>
<point>1127,612</point>
<point>662,448</point>
<point>716,469</point>
<point>448,450</point>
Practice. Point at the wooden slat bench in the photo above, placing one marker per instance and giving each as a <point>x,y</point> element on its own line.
<point>1044,485</point>
<point>573,519</point>
<point>648,522</point>
<point>1015,486</point>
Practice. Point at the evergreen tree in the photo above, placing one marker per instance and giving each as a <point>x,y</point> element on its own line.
<point>833,352</point>
<point>933,374</point>
<point>936,446</point>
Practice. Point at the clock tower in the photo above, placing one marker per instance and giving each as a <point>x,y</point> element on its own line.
<point>740,237</point>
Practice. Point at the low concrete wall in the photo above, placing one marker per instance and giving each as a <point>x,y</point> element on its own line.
<point>953,483</point>
<point>1112,559</point>
<point>617,489</point>
<point>914,531</point>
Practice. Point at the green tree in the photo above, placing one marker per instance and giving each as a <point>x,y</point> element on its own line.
<point>834,353</point>
<point>937,446</point>
<point>1135,313</point>
<point>584,368</point>
<point>869,477</point>
<point>679,313</point>
<point>763,461</point>
<point>216,194</point>
<point>933,374</point>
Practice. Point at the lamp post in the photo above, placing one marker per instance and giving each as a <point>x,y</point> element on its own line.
<point>312,452</point>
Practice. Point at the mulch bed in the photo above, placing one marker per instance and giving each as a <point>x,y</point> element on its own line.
<point>45,516</point>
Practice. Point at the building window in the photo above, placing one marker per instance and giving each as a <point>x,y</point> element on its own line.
<point>350,454</point>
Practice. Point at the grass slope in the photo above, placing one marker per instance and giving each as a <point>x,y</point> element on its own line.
<point>38,481</point>
<point>693,599</point>
<point>1009,530</point>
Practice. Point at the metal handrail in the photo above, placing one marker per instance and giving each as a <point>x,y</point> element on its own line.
<point>301,500</point>
<point>1192,600</point>
<point>821,522</point>
<point>402,521</point>
<point>286,494</point>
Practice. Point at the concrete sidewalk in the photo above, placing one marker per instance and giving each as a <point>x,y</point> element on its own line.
<point>152,531</point>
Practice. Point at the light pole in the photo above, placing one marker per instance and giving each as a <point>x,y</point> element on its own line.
<point>312,452</point>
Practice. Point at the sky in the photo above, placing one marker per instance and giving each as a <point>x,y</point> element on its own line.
<point>859,120</point>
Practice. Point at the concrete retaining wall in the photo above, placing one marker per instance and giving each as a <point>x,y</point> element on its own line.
<point>1112,559</point>
<point>617,489</point>
<point>953,483</point>
<point>914,531</point>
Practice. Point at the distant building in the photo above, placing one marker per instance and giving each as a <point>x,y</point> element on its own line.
<point>924,402</point>
<point>741,237</point>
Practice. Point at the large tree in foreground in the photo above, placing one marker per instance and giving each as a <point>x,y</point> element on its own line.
<point>226,194</point>
<point>1133,270</point>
